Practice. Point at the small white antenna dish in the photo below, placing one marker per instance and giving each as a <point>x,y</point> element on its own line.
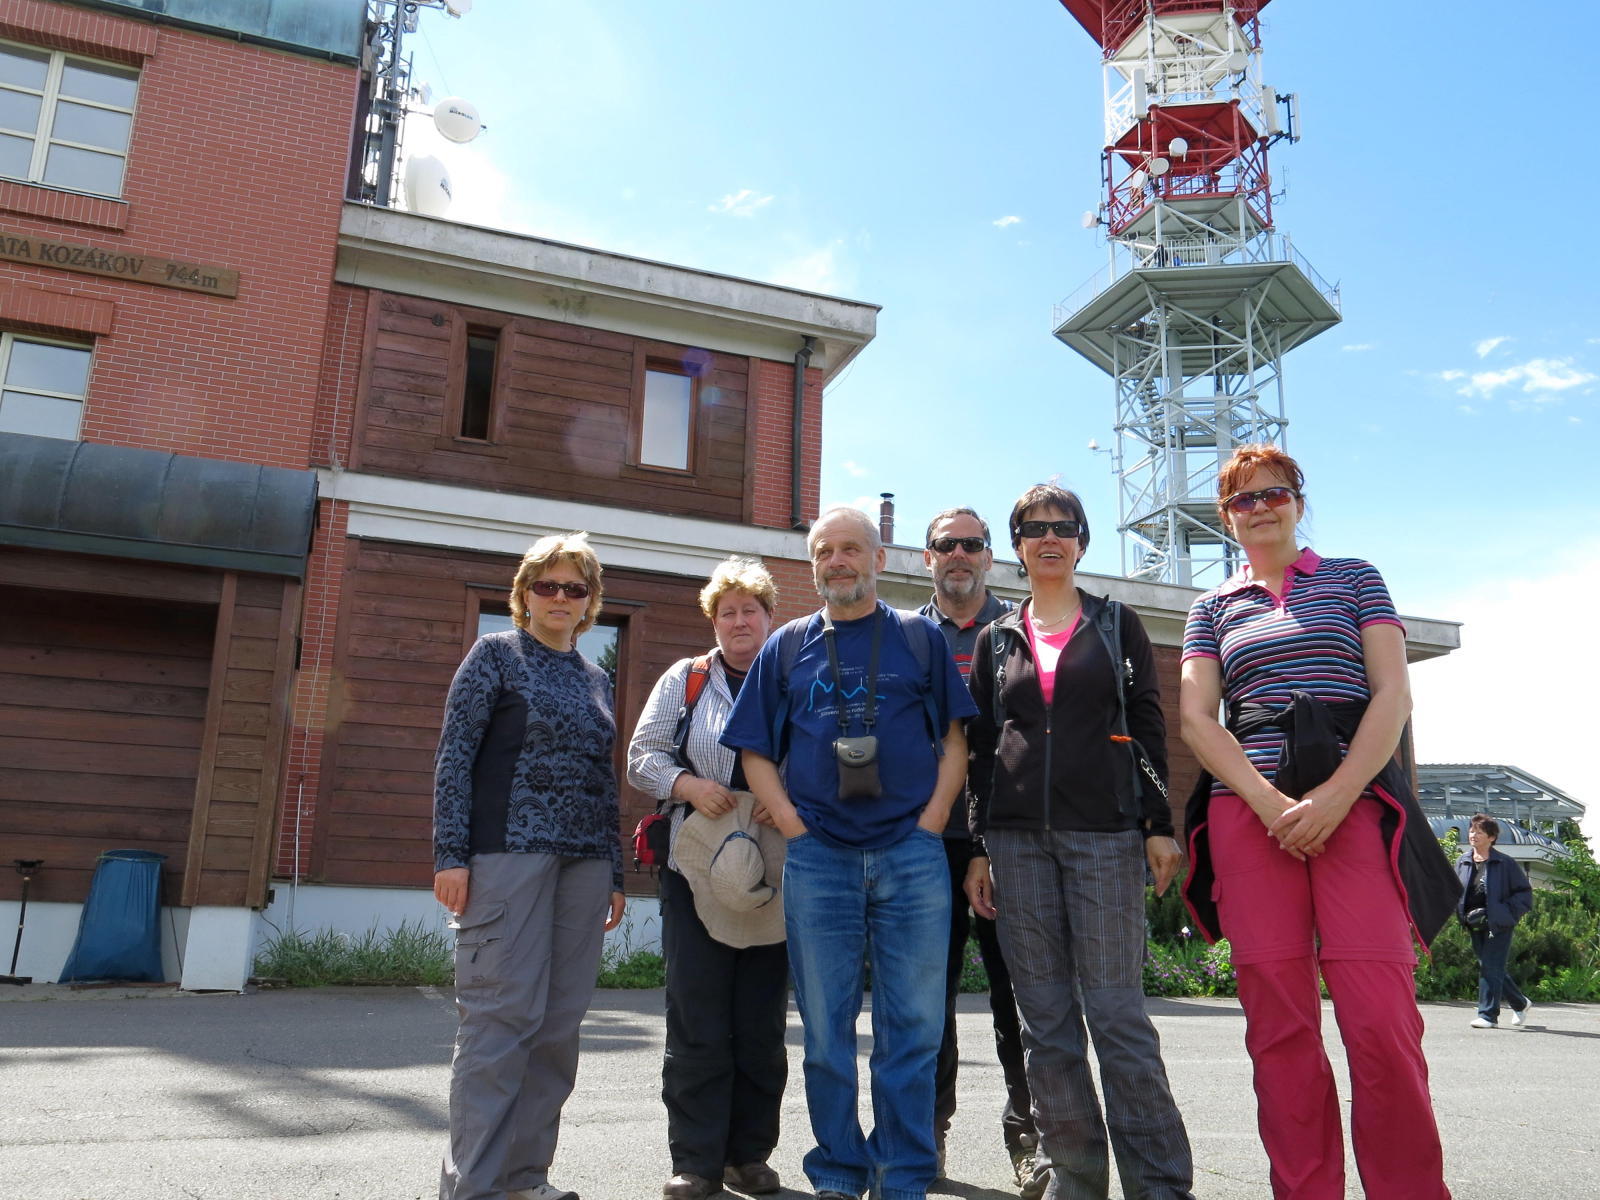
<point>1094,444</point>
<point>458,8</point>
<point>1236,62</point>
<point>1159,167</point>
<point>1089,219</point>
<point>1178,147</point>
<point>1137,180</point>
<point>456,119</point>
<point>427,186</point>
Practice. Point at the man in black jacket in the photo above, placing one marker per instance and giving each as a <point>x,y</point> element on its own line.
<point>957,553</point>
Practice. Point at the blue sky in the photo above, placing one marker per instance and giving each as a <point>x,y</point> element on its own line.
<point>935,158</point>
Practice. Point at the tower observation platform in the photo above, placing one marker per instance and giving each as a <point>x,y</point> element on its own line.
<point>1202,296</point>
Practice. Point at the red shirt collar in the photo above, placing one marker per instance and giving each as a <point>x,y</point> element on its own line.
<point>1306,564</point>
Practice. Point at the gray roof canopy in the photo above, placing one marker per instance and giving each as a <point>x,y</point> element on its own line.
<point>114,500</point>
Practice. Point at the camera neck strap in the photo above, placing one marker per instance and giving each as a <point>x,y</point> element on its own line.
<point>870,715</point>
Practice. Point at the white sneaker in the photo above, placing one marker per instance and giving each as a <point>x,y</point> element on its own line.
<point>543,1191</point>
<point>1520,1016</point>
<point>1477,1023</point>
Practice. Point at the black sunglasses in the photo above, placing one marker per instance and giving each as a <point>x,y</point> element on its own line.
<point>549,587</point>
<point>1274,497</point>
<point>945,545</point>
<point>1037,529</point>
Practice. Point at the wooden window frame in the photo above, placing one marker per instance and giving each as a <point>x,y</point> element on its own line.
<point>44,132</point>
<point>695,372</point>
<point>465,324</point>
<point>8,339</point>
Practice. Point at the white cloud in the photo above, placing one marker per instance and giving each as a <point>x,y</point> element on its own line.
<point>1450,376</point>
<point>743,203</point>
<point>1538,379</point>
<point>1486,347</point>
<point>1006,222</point>
<point>853,469</point>
<point>1466,408</point>
<point>1357,347</point>
<point>820,270</point>
<point>1574,420</point>
<point>1506,697</point>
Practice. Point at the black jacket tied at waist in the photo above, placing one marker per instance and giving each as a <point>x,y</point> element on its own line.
<point>1313,731</point>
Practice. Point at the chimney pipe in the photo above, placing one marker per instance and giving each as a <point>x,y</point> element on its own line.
<point>886,518</point>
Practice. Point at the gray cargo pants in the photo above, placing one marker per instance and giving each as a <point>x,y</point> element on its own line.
<point>527,950</point>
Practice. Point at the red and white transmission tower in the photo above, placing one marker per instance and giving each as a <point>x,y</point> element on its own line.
<point>1202,296</point>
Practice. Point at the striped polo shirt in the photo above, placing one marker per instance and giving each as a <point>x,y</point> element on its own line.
<point>1308,640</point>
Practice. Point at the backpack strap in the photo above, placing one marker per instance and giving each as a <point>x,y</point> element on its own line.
<point>1108,624</point>
<point>789,637</point>
<point>921,646</point>
<point>694,683</point>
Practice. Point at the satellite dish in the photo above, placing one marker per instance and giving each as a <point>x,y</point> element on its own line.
<point>1178,147</point>
<point>1137,180</point>
<point>1236,62</point>
<point>427,186</point>
<point>1159,166</point>
<point>458,8</point>
<point>456,119</point>
<point>1089,219</point>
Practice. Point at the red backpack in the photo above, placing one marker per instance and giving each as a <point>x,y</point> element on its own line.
<point>650,835</point>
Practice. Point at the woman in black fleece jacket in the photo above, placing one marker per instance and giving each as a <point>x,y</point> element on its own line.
<point>1063,846</point>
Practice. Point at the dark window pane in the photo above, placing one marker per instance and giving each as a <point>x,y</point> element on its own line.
<point>40,367</point>
<point>42,416</point>
<point>494,622</point>
<point>478,395</point>
<point>101,83</point>
<point>83,170</point>
<point>664,438</point>
<point>25,68</point>
<point>19,111</point>
<point>91,126</point>
<point>16,154</point>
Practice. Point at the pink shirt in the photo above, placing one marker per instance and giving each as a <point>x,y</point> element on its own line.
<point>1046,649</point>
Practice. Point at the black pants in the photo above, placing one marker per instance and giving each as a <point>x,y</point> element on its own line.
<point>1016,1120</point>
<point>725,1067</point>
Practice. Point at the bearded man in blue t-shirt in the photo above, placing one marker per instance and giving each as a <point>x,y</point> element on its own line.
<point>868,735</point>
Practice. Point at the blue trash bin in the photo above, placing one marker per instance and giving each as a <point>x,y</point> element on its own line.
<point>118,934</point>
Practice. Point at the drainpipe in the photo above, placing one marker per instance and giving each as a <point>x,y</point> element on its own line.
<point>801,359</point>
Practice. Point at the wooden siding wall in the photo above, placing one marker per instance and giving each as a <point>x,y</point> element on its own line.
<point>564,416</point>
<point>410,614</point>
<point>144,706</point>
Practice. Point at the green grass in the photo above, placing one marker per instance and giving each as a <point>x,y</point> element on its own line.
<point>408,955</point>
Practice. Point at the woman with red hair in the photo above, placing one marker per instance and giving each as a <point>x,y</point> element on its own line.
<point>1308,850</point>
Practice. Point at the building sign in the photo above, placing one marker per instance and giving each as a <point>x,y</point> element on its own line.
<point>119,263</point>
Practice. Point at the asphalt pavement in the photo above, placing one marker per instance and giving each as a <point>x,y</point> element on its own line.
<point>340,1094</point>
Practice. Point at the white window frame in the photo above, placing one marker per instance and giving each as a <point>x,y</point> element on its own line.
<point>8,340</point>
<point>43,134</point>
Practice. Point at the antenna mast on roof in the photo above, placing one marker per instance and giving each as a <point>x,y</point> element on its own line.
<point>1202,296</point>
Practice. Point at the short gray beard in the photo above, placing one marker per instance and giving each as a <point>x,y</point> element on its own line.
<point>959,593</point>
<point>855,592</point>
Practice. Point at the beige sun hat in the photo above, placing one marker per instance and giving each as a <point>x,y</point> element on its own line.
<point>734,865</point>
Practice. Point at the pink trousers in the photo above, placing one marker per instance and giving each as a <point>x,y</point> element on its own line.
<point>1341,912</point>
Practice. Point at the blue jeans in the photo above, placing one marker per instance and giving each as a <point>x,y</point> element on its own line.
<point>894,904</point>
<point>1493,948</point>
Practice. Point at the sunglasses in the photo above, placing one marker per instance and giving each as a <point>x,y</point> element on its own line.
<point>945,545</point>
<point>1037,529</point>
<point>1273,497</point>
<point>549,587</point>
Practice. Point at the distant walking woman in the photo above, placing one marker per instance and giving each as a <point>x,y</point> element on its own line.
<point>526,855</point>
<point>1062,827</point>
<point>1306,843</point>
<point>727,971</point>
<point>1495,896</point>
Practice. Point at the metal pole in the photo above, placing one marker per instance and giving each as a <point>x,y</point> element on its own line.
<point>25,867</point>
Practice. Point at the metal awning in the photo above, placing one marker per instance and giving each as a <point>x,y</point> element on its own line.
<point>114,500</point>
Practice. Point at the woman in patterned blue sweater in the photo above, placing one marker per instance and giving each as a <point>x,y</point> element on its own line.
<point>527,857</point>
